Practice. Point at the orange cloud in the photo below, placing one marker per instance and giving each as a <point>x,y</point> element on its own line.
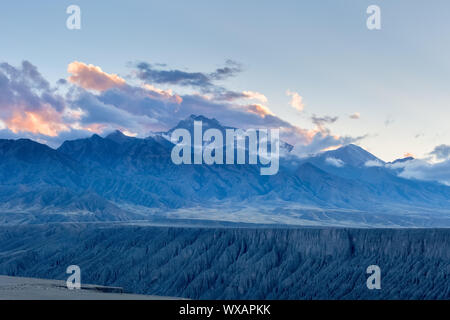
<point>92,77</point>
<point>167,94</point>
<point>259,109</point>
<point>297,135</point>
<point>45,121</point>
<point>330,148</point>
<point>296,100</point>
<point>355,116</point>
<point>95,127</point>
<point>255,95</point>
<point>129,133</point>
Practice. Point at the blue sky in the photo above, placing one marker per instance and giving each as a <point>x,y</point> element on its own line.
<point>396,78</point>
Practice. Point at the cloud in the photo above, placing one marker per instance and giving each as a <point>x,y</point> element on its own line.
<point>237,115</point>
<point>206,81</point>
<point>355,116</point>
<point>167,111</point>
<point>30,107</point>
<point>255,95</point>
<point>28,103</point>
<point>96,101</point>
<point>26,76</point>
<point>318,141</point>
<point>234,95</point>
<point>296,100</point>
<point>441,152</point>
<point>231,69</point>
<point>373,163</point>
<point>335,162</point>
<point>46,121</point>
<point>157,93</point>
<point>100,115</point>
<point>423,170</point>
<point>89,76</point>
<point>426,169</point>
<point>321,121</point>
<point>259,109</point>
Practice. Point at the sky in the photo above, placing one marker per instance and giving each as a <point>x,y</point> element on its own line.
<point>312,68</point>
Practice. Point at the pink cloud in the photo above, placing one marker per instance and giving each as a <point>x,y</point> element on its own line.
<point>89,76</point>
<point>355,116</point>
<point>157,93</point>
<point>30,107</point>
<point>45,121</point>
<point>255,95</point>
<point>296,100</point>
<point>259,109</point>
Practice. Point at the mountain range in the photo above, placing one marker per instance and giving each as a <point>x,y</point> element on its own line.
<point>122,178</point>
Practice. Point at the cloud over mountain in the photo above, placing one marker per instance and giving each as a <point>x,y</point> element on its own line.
<point>28,103</point>
<point>423,170</point>
<point>441,152</point>
<point>92,77</point>
<point>92,100</point>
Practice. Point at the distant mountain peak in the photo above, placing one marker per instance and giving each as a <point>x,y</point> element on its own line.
<point>402,160</point>
<point>116,132</point>
<point>352,147</point>
<point>95,137</point>
<point>118,136</point>
<point>208,123</point>
<point>188,124</point>
<point>22,143</point>
<point>351,154</point>
<point>201,118</point>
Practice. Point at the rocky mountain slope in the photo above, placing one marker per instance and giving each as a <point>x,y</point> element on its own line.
<point>235,263</point>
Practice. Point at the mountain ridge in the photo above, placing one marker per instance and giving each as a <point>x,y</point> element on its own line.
<point>121,177</point>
